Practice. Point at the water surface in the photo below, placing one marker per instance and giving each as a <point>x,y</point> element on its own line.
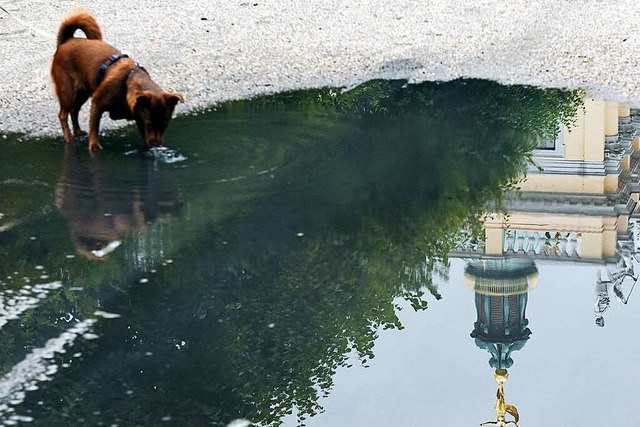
<point>310,258</point>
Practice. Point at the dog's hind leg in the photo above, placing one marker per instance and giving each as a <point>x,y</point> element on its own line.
<point>63,115</point>
<point>66,95</point>
<point>81,98</point>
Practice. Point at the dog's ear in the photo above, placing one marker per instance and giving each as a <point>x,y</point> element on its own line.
<point>172,98</point>
<point>143,100</point>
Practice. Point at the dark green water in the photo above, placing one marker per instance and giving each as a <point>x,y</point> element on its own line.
<point>269,253</point>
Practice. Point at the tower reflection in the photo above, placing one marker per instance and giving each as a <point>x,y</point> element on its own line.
<point>501,288</point>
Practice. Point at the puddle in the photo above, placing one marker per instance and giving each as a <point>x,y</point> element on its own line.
<point>385,255</point>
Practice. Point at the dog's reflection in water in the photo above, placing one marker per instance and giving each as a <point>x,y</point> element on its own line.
<point>104,200</point>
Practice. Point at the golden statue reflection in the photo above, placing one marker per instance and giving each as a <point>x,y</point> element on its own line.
<point>502,407</point>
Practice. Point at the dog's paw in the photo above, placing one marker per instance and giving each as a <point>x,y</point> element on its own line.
<point>94,146</point>
<point>80,132</point>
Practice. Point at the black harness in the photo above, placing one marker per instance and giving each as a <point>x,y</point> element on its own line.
<point>108,63</point>
<point>118,111</point>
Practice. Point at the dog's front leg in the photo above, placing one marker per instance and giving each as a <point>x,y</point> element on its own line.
<point>94,126</point>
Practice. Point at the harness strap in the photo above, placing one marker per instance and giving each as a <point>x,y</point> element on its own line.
<point>135,68</point>
<point>108,63</point>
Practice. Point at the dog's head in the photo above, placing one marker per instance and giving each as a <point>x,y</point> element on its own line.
<point>152,112</point>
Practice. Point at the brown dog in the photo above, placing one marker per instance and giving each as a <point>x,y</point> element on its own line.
<point>84,68</point>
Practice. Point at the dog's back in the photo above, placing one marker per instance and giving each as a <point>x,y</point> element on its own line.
<point>77,59</point>
<point>79,20</point>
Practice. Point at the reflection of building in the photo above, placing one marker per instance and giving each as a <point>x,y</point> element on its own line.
<point>501,289</point>
<point>578,202</point>
<point>590,157</point>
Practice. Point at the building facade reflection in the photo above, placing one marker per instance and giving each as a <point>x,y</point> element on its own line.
<point>578,203</point>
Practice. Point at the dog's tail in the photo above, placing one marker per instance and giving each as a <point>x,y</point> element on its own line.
<point>79,20</point>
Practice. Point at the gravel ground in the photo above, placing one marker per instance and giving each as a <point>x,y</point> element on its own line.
<point>216,51</point>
